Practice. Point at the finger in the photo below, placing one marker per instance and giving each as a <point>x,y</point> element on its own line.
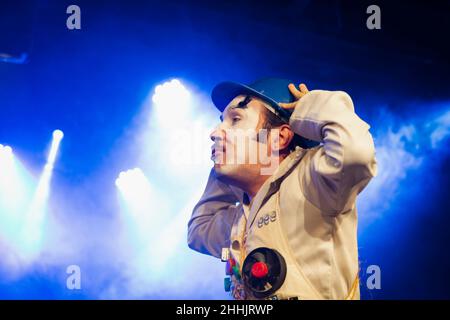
<point>287,106</point>
<point>297,94</point>
<point>303,88</point>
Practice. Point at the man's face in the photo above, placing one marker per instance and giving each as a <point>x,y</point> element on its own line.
<point>240,148</point>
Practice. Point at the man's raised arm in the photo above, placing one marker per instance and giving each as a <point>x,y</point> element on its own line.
<point>210,224</point>
<point>344,165</point>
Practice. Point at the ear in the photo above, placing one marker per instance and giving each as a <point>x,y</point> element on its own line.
<point>281,137</point>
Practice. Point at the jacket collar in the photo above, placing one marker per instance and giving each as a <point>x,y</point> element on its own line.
<point>271,185</point>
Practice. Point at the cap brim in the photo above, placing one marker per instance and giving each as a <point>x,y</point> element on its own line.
<point>225,92</point>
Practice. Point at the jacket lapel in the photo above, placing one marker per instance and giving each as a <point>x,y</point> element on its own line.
<point>272,185</point>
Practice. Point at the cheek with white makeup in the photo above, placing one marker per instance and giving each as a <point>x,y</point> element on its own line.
<point>242,138</point>
<point>240,129</point>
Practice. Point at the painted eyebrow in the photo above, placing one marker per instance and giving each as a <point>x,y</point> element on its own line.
<point>241,105</point>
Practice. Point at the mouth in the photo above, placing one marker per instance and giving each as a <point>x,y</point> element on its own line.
<point>215,150</point>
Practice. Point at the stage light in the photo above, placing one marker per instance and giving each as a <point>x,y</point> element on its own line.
<point>6,158</point>
<point>57,137</point>
<point>16,186</point>
<point>134,185</point>
<point>172,102</point>
<point>8,175</point>
<point>32,231</point>
<point>142,205</point>
<point>137,198</point>
<point>144,211</point>
<point>5,150</point>
<point>171,93</point>
<point>176,118</point>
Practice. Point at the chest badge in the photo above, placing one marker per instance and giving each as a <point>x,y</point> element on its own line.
<point>264,271</point>
<point>266,218</point>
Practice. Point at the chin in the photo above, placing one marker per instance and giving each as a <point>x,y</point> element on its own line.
<point>234,175</point>
<point>225,169</point>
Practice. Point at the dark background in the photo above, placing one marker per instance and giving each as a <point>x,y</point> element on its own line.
<point>91,82</point>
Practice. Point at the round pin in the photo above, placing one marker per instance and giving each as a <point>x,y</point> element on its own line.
<point>259,270</point>
<point>264,272</point>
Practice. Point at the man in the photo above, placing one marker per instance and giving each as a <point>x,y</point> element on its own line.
<point>287,227</point>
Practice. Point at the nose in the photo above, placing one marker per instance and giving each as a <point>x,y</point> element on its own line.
<point>217,133</point>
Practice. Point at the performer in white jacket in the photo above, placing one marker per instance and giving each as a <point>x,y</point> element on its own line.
<point>286,229</point>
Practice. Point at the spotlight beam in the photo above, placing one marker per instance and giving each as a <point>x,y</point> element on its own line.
<point>35,216</point>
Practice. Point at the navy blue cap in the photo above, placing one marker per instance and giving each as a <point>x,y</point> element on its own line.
<point>270,90</point>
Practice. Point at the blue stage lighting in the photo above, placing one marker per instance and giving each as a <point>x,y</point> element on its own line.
<point>32,231</point>
<point>172,102</point>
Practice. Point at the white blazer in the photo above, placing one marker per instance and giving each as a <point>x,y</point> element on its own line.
<point>310,200</point>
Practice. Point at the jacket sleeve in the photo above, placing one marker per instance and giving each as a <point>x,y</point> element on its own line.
<point>340,168</point>
<point>212,218</point>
